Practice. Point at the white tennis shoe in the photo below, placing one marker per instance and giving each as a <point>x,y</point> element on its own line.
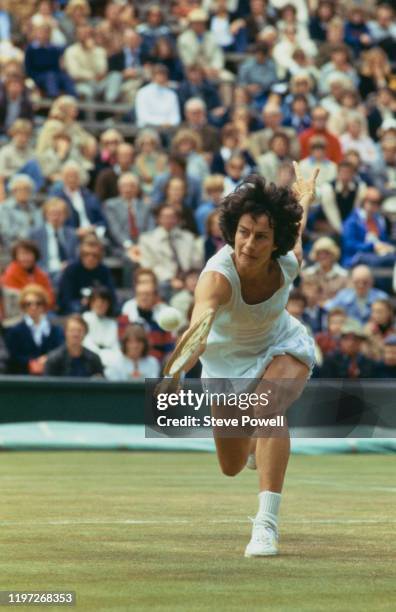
<point>251,462</point>
<point>264,540</point>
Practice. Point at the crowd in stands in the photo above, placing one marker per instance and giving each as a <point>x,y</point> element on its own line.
<point>122,126</point>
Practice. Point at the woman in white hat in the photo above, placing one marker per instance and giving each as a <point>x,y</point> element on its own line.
<point>330,276</point>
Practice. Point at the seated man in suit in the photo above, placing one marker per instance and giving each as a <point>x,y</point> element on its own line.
<point>170,251</point>
<point>58,243</point>
<point>80,277</point>
<point>128,61</point>
<point>84,207</point>
<point>127,215</point>
<point>34,337</point>
<point>72,359</point>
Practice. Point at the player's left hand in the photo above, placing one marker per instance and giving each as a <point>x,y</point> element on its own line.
<point>305,189</point>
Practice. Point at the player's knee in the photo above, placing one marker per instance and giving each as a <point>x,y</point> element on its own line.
<point>231,469</point>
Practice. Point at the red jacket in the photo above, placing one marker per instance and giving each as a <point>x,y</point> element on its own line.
<point>333,149</point>
<point>15,277</point>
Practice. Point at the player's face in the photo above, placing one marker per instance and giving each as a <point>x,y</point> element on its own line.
<point>254,241</point>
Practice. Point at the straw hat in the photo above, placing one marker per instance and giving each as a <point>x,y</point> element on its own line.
<point>351,326</point>
<point>197,14</point>
<point>325,244</point>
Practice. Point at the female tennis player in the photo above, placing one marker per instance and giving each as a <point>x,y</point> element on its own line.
<point>252,336</point>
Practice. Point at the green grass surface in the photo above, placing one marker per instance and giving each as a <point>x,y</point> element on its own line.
<point>166,531</point>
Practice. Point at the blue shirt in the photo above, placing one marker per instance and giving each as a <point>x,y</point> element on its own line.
<point>349,301</point>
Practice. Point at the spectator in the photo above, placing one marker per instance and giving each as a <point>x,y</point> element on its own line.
<point>213,189</point>
<point>86,63</point>
<point>314,315</point>
<point>62,118</point>
<point>348,361</point>
<point>153,27</point>
<point>387,368</point>
<point>355,139</point>
<point>196,87</point>
<point>356,32</point>
<point>23,270</point>
<point>106,184</point>
<point>329,339</point>
<point>269,163</point>
<point>383,107</point>
<point>72,359</point>
<point>107,155</point>
<point>302,84</point>
<point>145,309</point>
<point>320,20</point>
<point>358,299</point>
<point>318,128</point>
<point>198,45</point>
<point>164,53</point>
<point>134,362</point>
<point>150,160</point>
<point>231,144</point>
<point>298,117</point>
<point>177,168</point>
<point>43,64</point>
<point>30,341</point>
<point>385,170</point>
<point>256,19</point>
<point>284,51</point>
<point>258,73</point>
<point>58,243</point>
<point>175,193</point>
<point>318,159</point>
<point>229,33</point>
<point>13,156</point>
<point>235,172</point>
<point>4,356</point>
<point>214,240</point>
<point>375,72</point>
<point>326,272</point>
<point>383,29</point>
<point>156,104</point>
<point>75,14</point>
<point>19,215</point>
<point>340,197</point>
<point>365,238</point>
<point>272,118</point>
<point>196,119</point>
<point>102,336</point>
<point>340,66</point>
<point>188,143</point>
<point>168,250</point>
<point>15,102</point>
<point>183,300</point>
<point>85,213</point>
<point>79,278</point>
<point>47,167</point>
<point>128,63</point>
<point>380,325</point>
<point>127,215</point>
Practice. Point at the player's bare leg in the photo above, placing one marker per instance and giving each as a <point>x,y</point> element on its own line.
<point>272,456</point>
<point>232,454</point>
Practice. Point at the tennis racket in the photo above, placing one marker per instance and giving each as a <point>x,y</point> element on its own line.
<point>189,345</point>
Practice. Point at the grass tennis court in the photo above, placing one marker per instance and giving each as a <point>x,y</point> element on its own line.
<point>166,531</point>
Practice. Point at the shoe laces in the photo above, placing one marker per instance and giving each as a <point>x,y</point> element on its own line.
<point>263,532</point>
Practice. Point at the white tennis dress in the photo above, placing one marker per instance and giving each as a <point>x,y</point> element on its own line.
<point>244,338</point>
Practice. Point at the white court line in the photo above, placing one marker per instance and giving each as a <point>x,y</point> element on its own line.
<point>338,485</point>
<point>66,522</point>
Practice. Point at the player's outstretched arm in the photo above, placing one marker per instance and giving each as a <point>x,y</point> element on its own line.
<point>212,291</point>
<point>304,190</point>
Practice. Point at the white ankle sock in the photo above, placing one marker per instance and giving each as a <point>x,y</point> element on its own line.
<point>268,507</point>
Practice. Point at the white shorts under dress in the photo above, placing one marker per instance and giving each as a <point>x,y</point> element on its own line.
<point>245,338</point>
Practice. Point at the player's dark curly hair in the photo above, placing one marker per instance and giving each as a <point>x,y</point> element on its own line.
<point>255,197</point>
